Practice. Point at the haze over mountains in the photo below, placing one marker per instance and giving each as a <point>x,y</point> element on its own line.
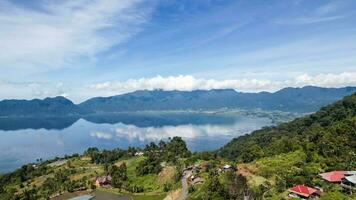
<point>300,100</point>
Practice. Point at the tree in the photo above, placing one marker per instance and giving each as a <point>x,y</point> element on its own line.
<point>119,175</point>
<point>214,190</point>
<point>236,185</point>
<point>176,148</point>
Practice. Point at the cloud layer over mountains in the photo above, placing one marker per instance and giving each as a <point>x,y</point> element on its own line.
<point>181,82</point>
<point>189,83</point>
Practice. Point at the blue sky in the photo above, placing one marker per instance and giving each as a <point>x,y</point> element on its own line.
<point>87,48</point>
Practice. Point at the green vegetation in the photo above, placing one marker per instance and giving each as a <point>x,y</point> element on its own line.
<point>130,174</point>
<point>326,137</point>
<point>296,152</point>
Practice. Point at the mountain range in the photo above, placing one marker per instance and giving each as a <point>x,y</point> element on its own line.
<point>57,106</point>
<point>299,100</point>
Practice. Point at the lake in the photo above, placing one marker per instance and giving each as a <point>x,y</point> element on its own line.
<point>23,140</point>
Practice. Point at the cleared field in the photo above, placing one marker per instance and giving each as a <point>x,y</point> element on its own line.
<point>58,163</point>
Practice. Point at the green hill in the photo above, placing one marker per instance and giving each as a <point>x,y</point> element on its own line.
<point>327,137</point>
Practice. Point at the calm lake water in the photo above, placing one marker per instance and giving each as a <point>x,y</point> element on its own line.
<point>25,140</point>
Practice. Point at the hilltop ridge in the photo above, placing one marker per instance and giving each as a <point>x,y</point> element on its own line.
<point>297,100</point>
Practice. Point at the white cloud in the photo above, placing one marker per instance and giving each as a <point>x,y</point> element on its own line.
<point>29,90</point>
<point>330,7</point>
<point>101,135</point>
<point>325,80</point>
<point>182,82</point>
<point>309,20</point>
<point>188,83</point>
<point>58,32</point>
<point>323,13</point>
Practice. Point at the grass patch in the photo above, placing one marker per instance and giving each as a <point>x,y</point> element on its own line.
<point>248,171</point>
<point>148,182</point>
<point>149,197</point>
<point>281,164</point>
<point>166,175</point>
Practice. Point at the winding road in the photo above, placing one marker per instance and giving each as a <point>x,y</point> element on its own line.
<point>186,175</point>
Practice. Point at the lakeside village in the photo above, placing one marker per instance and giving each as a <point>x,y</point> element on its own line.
<point>346,179</point>
<point>193,176</point>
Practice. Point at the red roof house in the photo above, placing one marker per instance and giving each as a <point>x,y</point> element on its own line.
<point>334,176</point>
<point>302,190</point>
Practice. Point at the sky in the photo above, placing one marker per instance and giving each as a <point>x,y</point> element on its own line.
<point>86,48</point>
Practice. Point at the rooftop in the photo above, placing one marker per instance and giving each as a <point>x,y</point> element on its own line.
<point>334,176</point>
<point>302,190</point>
<point>351,179</point>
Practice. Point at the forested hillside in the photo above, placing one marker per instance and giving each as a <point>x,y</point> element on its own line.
<point>294,100</point>
<point>327,137</point>
<point>300,100</point>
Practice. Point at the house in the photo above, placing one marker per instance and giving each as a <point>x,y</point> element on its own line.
<point>226,168</point>
<point>349,183</point>
<point>302,191</point>
<point>196,179</point>
<point>139,153</point>
<point>334,176</point>
<point>102,180</point>
<point>350,173</point>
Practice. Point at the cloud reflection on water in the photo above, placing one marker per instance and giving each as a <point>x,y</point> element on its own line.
<point>21,146</point>
<point>188,132</point>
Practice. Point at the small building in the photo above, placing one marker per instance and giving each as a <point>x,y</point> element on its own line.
<point>196,179</point>
<point>226,168</point>
<point>139,153</point>
<point>349,183</point>
<point>197,166</point>
<point>302,191</point>
<point>102,180</point>
<point>350,173</point>
<point>334,176</point>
